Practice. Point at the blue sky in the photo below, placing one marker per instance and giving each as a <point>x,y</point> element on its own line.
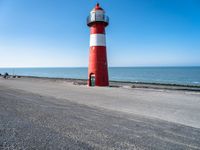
<point>53,33</point>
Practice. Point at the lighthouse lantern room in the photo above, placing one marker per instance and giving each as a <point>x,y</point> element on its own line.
<point>98,67</point>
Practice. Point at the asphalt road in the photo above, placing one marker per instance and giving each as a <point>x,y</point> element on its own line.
<point>31,121</point>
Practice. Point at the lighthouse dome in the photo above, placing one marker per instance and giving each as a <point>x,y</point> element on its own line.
<point>97,7</point>
<point>97,10</point>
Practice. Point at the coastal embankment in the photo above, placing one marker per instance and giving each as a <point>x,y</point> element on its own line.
<point>125,84</point>
<point>43,113</point>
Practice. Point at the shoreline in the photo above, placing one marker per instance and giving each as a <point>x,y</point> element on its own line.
<point>125,84</point>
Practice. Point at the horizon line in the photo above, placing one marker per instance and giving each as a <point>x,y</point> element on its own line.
<point>108,66</point>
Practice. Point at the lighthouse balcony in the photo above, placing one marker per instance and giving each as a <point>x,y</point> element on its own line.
<point>96,18</point>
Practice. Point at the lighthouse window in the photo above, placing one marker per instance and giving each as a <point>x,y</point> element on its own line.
<point>92,17</point>
<point>99,17</point>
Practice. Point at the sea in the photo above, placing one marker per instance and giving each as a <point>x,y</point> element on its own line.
<point>162,75</point>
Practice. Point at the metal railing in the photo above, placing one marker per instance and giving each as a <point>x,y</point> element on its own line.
<point>96,18</point>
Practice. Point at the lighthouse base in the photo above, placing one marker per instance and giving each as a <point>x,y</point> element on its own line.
<point>92,81</point>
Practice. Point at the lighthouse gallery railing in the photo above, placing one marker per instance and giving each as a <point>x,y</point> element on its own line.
<point>94,18</point>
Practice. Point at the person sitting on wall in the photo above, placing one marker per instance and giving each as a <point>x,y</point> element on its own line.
<point>6,75</point>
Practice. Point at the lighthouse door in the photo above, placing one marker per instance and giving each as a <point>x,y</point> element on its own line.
<point>92,80</point>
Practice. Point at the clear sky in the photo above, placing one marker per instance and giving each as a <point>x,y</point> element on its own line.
<point>53,33</point>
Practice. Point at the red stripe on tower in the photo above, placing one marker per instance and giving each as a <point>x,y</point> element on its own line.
<point>98,68</point>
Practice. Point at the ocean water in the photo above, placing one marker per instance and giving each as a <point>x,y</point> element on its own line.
<point>167,75</point>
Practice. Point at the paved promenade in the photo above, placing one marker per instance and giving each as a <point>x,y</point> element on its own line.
<point>47,117</point>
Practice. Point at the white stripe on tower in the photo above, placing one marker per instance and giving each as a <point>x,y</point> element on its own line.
<point>97,40</point>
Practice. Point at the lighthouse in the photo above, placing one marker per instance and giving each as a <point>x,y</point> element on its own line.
<point>98,67</point>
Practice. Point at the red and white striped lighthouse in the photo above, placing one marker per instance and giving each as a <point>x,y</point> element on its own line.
<point>98,67</point>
